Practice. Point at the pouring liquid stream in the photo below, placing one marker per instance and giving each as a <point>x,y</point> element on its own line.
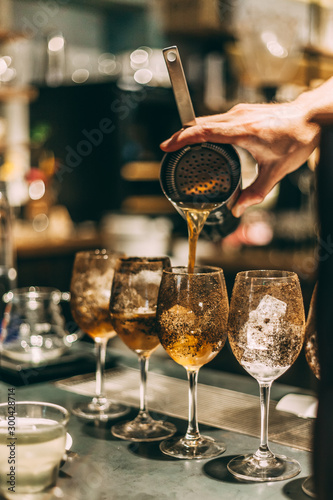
<point>196,218</point>
<point>196,174</point>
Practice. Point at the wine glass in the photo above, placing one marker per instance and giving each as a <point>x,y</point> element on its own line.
<point>90,294</point>
<point>312,358</point>
<point>133,314</point>
<point>266,334</point>
<point>192,316</point>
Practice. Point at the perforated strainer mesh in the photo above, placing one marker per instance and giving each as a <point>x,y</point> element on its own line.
<point>205,171</point>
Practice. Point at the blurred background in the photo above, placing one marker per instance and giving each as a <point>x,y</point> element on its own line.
<point>85,101</point>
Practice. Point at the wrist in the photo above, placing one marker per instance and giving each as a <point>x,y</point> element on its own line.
<point>307,103</point>
<point>317,104</point>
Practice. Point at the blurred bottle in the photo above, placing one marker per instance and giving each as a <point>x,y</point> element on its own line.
<point>8,272</point>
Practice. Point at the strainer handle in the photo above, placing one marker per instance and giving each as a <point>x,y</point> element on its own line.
<point>179,86</point>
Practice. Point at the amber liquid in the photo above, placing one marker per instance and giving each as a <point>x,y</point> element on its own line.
<point>137,331</point>
<point>311,353</point>
<point>97,323</point>
<point>196,218</point>
<point>190,339</point>
<point>311,342</point>
<point>90,296</point>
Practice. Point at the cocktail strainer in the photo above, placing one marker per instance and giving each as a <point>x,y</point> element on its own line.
<point>199,174</point>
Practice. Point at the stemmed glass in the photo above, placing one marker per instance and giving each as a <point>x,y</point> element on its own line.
<point>133,314</point>
<point>192,315</point>
<point>266,334</point>
<point>312,358</point>
<point>90,287</point>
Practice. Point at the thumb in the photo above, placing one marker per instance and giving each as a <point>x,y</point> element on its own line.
<point>255,193</point>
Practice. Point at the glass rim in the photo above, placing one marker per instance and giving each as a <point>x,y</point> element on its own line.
<point>264,274</point>
<point>134,263</point>
<point>209,270</point>
<point>140,260</point>
<point>65,413</point>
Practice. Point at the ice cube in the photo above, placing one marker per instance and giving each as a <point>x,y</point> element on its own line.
<point>263,322</point>
<point>253,340</point>
<point>270,307</point>
<point>147,276</point>
<point>254,316</point>
<point>186,315</point>
<point>179,318</point>
<point>182,324</point>
<point>129,300</point>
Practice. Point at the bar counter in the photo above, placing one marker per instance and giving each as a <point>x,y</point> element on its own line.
<point>102,467</point>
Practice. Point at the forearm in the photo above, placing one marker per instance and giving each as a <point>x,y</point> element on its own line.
<point>318,103</point>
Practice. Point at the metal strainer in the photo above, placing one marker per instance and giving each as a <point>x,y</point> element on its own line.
<point>199,173</point>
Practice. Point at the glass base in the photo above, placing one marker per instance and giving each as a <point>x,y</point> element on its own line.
<point>308,487</point>
<point>252,468</point>
<point>143,429</point>
<point>203,447</point>
<point>102,410</point>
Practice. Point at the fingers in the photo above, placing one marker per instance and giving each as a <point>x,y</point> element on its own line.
<point>203,132</point>
<point>256,192</point>
<point>232,126</point>
<point>179,139</point>
<point>192,135</point>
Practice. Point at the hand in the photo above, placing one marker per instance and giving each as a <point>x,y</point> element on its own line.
<point>280,137</point>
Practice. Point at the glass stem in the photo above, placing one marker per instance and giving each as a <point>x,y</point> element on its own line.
<point>192,432</point>
<point>144,363</point>
<point>100,366</point>
<point>263,450</point>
